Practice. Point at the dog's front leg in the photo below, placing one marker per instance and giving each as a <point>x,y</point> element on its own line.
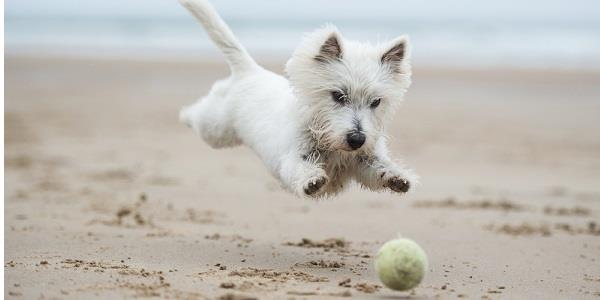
<point>303,176</point>
<point>377,172</point>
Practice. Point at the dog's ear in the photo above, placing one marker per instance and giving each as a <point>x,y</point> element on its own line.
<point>331,49</point>
<point>396,53</point>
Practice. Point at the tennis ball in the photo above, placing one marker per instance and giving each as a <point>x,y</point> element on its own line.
<point>401,264</point>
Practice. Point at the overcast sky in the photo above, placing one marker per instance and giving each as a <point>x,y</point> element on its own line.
<point>581,10</point>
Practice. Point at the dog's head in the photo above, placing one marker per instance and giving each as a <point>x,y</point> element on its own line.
<point>348,91</point>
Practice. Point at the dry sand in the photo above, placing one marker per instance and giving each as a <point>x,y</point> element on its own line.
<point>107,196</point>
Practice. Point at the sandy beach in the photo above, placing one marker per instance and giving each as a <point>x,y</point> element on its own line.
<point>107,196</point>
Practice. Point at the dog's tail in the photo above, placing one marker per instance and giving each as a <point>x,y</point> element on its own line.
<point>236,55</point>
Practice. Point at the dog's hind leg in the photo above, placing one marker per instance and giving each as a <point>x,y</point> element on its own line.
<point>211,118</point>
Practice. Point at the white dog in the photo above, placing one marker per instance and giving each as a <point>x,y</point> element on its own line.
<point>321,128</point>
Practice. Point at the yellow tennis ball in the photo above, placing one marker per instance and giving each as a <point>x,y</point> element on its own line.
<point>401,264</point>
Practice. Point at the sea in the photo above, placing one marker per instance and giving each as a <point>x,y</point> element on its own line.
<point>463,33</point>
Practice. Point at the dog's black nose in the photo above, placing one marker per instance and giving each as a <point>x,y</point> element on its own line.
<point>355,139</point>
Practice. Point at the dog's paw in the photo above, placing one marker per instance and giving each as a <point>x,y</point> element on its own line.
<point>398,184</point>
<point>315,185</point>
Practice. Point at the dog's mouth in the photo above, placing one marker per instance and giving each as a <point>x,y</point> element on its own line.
<point>338,146</point>
<point>345,147</point>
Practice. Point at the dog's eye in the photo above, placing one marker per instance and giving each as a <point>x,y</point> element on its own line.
<point>375,103</point>
<point>338,97</point>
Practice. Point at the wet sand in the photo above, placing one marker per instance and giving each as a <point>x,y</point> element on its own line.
<point>108,196</point>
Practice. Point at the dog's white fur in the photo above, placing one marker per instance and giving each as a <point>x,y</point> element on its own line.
<point>296,126</point>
